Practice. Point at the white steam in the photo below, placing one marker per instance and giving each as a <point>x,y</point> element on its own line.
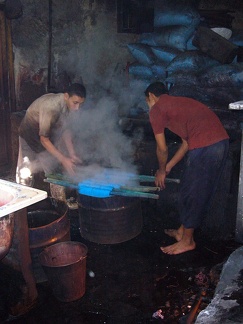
<point>98,138</point>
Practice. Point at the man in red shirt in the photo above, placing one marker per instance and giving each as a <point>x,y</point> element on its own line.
<point>205,143</point>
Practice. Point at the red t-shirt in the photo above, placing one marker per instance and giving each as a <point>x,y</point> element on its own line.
<point>189,119</point>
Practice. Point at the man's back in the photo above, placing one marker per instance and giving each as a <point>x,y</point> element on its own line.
<point>189,119</point>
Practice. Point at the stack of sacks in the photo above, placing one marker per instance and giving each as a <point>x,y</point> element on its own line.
<point>196,75</point>
<point>168,55</point>
<point>174,25</point>
<point>216,86</point>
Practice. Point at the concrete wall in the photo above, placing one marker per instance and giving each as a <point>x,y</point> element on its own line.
<point>85,46</point>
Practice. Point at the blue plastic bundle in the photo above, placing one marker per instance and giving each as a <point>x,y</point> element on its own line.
<point>142,53</point>
<point>165,54</point>
<point>225,75</point>
<point>176,12</point>
<point>139,70</point>
<point>175,36</point>
<point>191,61</point>
<point>94,189</point>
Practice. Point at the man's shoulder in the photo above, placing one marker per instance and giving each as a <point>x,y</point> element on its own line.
<point>51,100</point>
<point>51,97</point>
<point>166,98</point>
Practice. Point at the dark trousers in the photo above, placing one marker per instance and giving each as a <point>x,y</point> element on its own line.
<point>204,167</point>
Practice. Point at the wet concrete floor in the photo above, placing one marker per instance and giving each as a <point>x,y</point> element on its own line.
<point>131,282</point>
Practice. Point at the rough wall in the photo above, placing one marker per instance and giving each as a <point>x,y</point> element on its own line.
<point>78,41</point>
<point>84,46</point>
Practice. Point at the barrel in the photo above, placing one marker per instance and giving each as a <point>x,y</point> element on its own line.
<point>109,220</point>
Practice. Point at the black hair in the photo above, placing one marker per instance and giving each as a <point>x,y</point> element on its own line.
<point>157,88</point>
<point>76,89</point>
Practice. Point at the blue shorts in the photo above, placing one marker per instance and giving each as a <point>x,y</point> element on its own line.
<point>204,167</point>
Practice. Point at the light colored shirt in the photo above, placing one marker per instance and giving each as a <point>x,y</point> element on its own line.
<point>45,117</point>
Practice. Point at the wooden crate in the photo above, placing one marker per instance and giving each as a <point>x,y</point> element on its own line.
<point>214,45</point>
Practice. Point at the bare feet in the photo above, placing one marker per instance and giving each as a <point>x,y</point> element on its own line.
<point>185,241</point>
<point>176,234</point>
<point>179,247</point>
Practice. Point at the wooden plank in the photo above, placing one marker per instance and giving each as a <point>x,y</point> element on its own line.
<point>4,129</point>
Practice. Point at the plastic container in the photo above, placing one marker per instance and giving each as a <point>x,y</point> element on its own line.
<point>214,45</point>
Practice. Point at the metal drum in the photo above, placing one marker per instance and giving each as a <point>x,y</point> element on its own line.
<point>109,220</point>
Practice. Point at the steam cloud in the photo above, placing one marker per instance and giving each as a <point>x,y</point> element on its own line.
<point>97,133</point>
<point>98,138</point>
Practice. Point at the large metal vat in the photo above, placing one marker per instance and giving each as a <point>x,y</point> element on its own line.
<point>109,220</point>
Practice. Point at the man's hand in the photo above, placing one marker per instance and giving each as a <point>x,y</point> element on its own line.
<point>160,179</point>
<point>75,159</point>
<point>68,165</point>
<point>167,169</point>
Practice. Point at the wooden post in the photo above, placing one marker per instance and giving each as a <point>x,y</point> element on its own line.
<point>239,217</point>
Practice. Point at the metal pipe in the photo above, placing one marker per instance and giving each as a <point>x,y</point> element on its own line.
<point>63,183</point>
<point>127,193</point>
<point>99,187</point>
<point>122,191</point>
<point>141,188</point>
<point>146,178</point>
<point>50,47</point>
<point>142,178</point>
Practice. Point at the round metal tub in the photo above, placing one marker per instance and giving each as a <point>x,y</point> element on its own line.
<point>46,227</point>
<point>109,220</point>
<point>65,266</point>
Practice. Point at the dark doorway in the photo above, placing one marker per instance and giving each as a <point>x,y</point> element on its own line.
<point>135,16</point>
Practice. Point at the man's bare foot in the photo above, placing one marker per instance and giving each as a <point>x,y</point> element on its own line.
<point>176,234</point>
<point>179,247</point>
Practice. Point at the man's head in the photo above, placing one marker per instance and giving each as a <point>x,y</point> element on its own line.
<point>74,96</point>
<point>153,92</point>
